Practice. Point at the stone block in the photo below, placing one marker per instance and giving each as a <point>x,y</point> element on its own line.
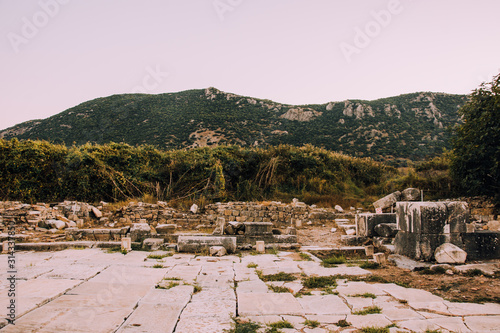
<point>186,243</point>
<point>448,253</point>
<point>139,231</point>
<point>220,225</point>
<point>126,243</point>
<point>482,245</point>
<point>417,246</point>
<point>258,228</point>
<point>367,222</point>
<point>388,200</point>
<point>458,216</point>
<point>152,243</point>
<point>369,250</point>
<point>386,229</point>
<point>165,228</point>
<point>380,258</point>
<point>260,246</point>
<point>421,217</point>
<point>410,194</point>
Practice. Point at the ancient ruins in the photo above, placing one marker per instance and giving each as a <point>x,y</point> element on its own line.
<point>141,267</point>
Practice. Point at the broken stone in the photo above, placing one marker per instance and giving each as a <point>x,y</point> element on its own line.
<point>339,209</point>
<point>410,194</point>
<point>291,231</point>
<point>450,254</point>
<point>57,224</point>
<point>387,201</point>
<point>96,212</point>
<point>229,230</point>
<point>218,251</point>
<point>194,208</point>
<point>220,226</point>
<point>380,258</point>
<point>386,229</point>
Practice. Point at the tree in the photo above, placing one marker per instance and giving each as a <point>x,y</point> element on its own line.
<point>476,143</point>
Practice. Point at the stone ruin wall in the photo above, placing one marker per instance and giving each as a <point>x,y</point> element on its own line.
<point>53,222</point>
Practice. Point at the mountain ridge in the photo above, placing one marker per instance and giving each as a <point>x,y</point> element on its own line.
<point>407,126</point>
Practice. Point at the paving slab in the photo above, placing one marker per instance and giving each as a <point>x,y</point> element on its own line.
<point>209,294</point>
<point>396,314</point>
<point>311,268</point>
<point>483,323</point>
<point>186,273</point>
<point>472,309</point>
<point>418,325</point>
<point>370,320</point>
<point>359,303</point>
<point>252,286</point>
<point>326,319</point>
<point>265,319</point>
<point>453,324</point>
<point>357,288</point>
<point>75,271</point>
<point>158,311</point>
<point>204,325</point>
<point>327,304</point>
<point>74,313</point>
<point>488,268</point>
<point>258,304</point>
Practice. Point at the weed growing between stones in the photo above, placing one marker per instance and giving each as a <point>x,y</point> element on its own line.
<point>374,330</point>
<point>333,261</point>
<point>243,327</point>
<point>305,256</point>
<point>311,323</point>
<point>171,284</point>
<point>278,289</point>
<point>157,266</point>
<point>160,256</point>
<point>366,295</point>
<point>281,276</point>
<point>343,323</point>
<point>274,250</point>
<point>302,293</point>
<point>252,265</point>
<point>280,324</point>
<point>329,291</point>
<point>368,310</point>
<point>370,265</point>
<point>320,281</point>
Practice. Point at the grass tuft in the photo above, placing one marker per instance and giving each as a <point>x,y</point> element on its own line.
<point>311,323</point>
<point>320,281</point>
<point>368,310</point>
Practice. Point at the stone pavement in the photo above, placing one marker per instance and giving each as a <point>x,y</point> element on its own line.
<point>94,291</point>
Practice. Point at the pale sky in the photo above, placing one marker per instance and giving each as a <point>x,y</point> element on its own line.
<point>56,54</point>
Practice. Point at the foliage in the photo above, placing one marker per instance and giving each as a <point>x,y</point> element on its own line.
<point>368,310</point>
<point>281,276</point>
<point>34,171</point>
<point>278,289</point>
<point>332,261</point>
<point>319,281</point>
<point>243,327</point>
<point>369,265</point>
<point>311,323</point>
<point>476,148</point>
<point>280,324</point>
<point>400,128</point>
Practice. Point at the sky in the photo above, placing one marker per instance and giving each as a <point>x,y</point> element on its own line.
<point>56,54</point>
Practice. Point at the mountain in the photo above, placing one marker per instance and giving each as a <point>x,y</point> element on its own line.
<point>410,126</point>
